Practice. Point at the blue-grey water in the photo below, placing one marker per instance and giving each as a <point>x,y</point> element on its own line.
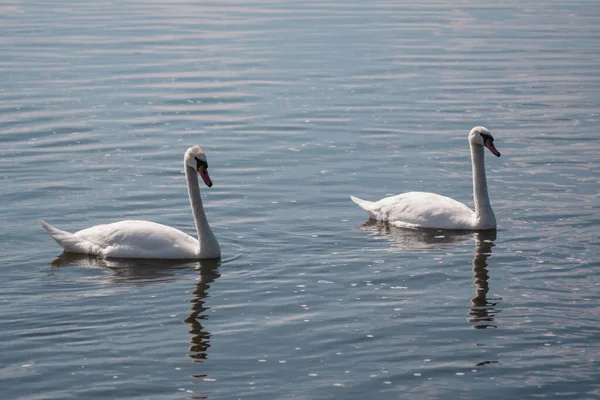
<point>298,105</point>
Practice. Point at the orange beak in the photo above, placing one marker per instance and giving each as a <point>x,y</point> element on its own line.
<point>203,171</point>
<point>490,145</point>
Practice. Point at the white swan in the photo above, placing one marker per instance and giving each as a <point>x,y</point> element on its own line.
<point>430,210</point>
<point>144,239</point>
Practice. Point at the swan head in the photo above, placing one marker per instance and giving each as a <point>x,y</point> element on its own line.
<point>481,136</point>
<point>196,158</point>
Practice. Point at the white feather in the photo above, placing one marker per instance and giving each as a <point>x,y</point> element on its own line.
<point>144,239</point>
<point>431,210</point>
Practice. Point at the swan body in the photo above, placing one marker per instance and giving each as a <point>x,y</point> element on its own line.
<point>144,239</point>
<point>128,239</point>
<point>431,210</point>
<point>419,210</point>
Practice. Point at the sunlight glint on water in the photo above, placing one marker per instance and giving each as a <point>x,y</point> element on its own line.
<point>299,105</point>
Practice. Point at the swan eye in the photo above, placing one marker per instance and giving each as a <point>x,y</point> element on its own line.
<point>200,163</point>
<point>487,137</point>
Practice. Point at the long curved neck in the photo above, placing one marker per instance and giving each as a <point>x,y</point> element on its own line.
<point>483,208</point>
<point>206,238</point>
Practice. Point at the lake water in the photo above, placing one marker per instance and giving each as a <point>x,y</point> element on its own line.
<point>298,105</point>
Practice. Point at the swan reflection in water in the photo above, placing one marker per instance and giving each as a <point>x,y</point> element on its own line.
<point>416,239</point>
<point>482,310</point>
<point>146,272</point>
<point>200,338</point>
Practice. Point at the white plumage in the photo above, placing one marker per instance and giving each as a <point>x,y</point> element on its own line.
<point>144,239</point>
<point>431,210</point>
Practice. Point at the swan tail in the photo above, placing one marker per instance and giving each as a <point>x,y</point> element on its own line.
<point>364,204</point>
<point>70,242</point>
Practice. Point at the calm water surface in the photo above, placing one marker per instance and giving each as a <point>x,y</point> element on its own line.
<point>298,105</point>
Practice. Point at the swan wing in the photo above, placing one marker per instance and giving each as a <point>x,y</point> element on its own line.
<point>140,239</point>
<point>421,210</point>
